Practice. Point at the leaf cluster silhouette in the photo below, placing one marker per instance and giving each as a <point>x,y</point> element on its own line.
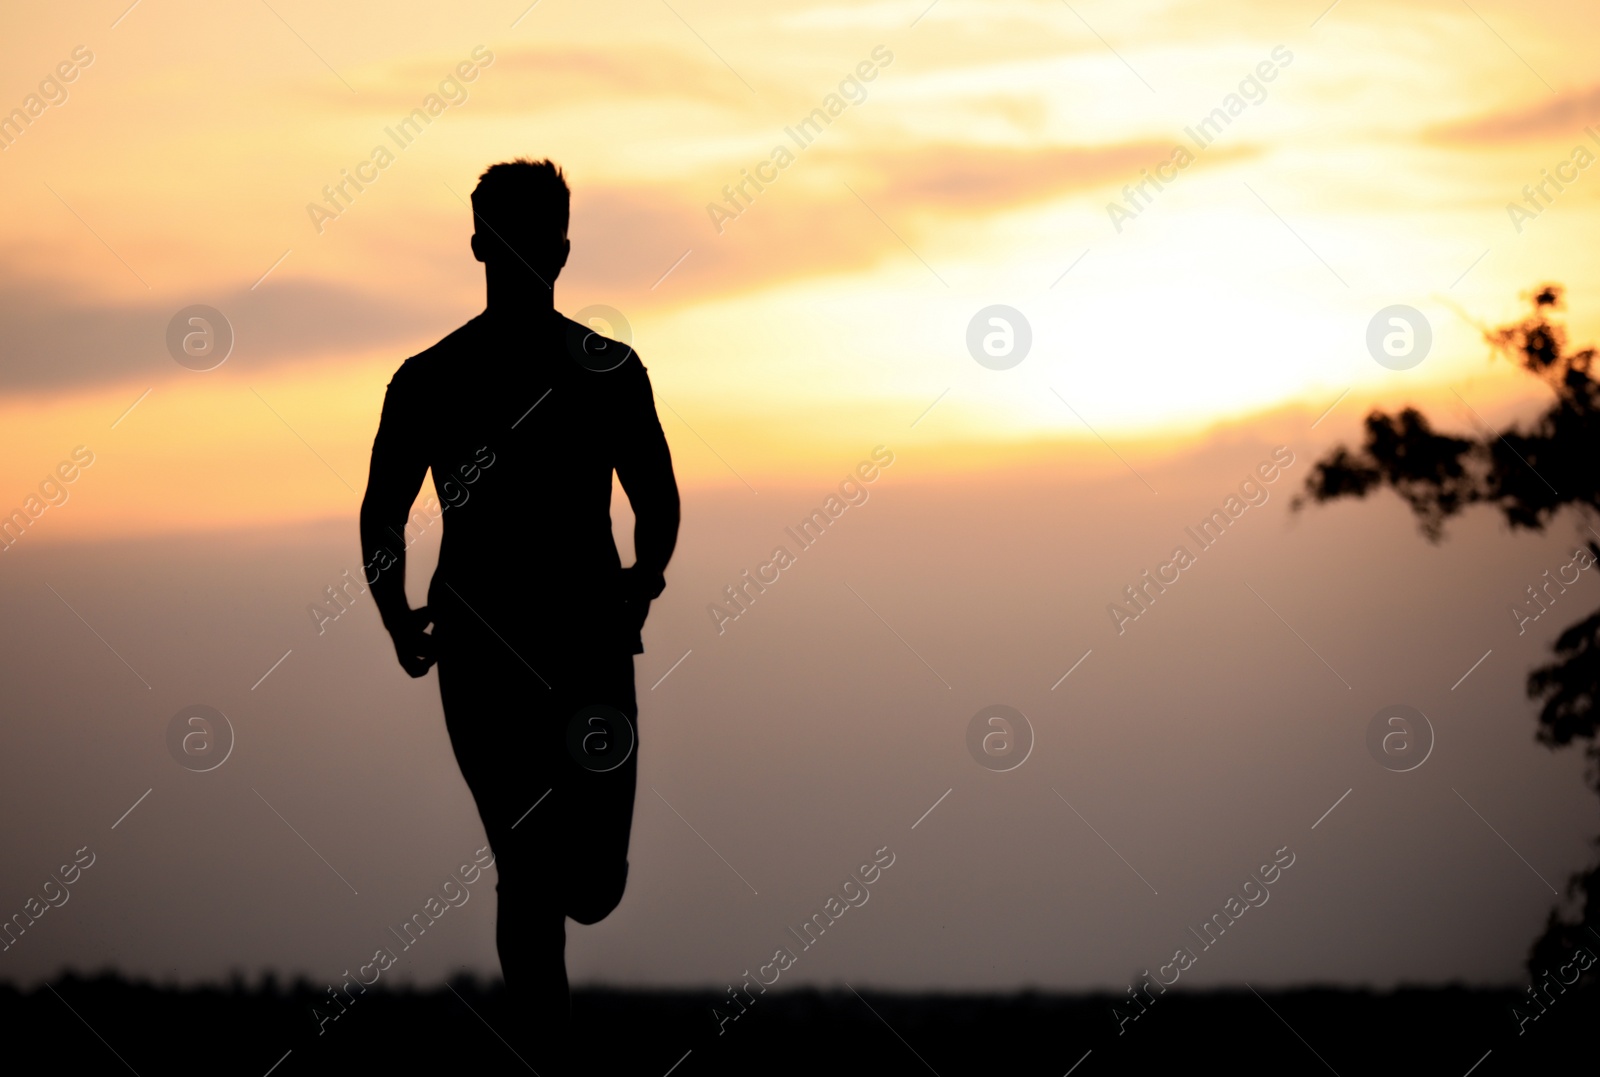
<point>1531,473</point>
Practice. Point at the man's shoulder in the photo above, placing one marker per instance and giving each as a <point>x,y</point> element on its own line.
<point>594,351</point>
<point>605,363</point>
<point>420,368</point>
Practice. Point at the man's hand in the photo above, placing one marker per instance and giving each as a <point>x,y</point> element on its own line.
<point>639,588</point>
<point>414,646</point>
<point>641,583</point>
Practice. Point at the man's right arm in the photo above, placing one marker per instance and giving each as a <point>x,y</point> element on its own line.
<point>399,464</point>
<point>644,467</point>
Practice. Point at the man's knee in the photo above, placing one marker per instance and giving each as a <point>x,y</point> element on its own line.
<point>594,902</point>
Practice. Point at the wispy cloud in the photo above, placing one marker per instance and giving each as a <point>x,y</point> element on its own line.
<point>1567,114</point>
<point>55,338</point>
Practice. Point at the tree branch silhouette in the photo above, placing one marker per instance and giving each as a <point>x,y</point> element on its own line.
<point>1530,474</point>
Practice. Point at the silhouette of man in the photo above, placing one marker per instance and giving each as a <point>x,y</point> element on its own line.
<point>523,415</point>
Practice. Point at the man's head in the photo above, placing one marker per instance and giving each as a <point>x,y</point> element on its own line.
<point>520,211</point>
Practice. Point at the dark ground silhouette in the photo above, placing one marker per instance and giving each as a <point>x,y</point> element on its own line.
<point>238,1030</point>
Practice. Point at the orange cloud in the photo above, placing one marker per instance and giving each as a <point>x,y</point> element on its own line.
<point>1568,113</point>
<point>809,223</point>
<point>57,337</point>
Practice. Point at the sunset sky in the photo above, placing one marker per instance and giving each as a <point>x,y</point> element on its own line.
<point>977,169</point>
<point>1172,350</point>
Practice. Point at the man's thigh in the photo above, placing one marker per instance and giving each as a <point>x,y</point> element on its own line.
<point>517,724</point>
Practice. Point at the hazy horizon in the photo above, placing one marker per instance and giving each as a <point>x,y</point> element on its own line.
<point>806,736</point>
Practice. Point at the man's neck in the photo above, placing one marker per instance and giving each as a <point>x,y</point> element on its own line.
<point>518,297</point>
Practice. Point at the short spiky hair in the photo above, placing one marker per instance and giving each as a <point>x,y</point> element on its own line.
<point>521,196</point>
